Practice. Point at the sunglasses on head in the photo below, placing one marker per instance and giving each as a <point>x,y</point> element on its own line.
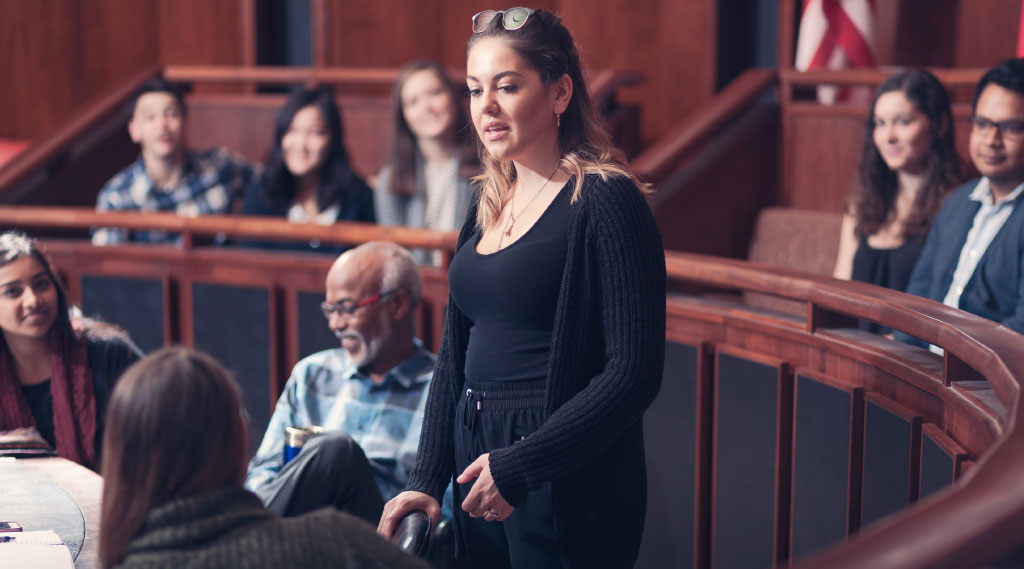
<point>511,19</point>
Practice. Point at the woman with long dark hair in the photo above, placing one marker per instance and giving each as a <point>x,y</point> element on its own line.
<point>172,490</point>
<point>307,176</point>
<point>554,338</point>
<point>56,372</point>
<point>908,166</point>
<point>425,181</point>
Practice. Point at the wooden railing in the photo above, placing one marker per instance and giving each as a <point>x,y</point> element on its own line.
<point>967,401</point>
<point>682,140</point>
<point>972,394</point>
<point>232,226</point>
<point>87,132</point>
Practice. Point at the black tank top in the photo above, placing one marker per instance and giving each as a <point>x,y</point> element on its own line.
<point>890,268</point>
<point>510,297</point>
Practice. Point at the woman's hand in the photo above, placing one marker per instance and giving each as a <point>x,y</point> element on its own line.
<point>484,500</point>
<point>405,502</point>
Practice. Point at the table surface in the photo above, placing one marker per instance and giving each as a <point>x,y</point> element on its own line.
<point>59,484</point>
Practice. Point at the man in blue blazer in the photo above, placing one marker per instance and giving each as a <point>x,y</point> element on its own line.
<point>974,256</point>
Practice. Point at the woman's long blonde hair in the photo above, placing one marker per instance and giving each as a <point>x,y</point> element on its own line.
<point>585,145</point>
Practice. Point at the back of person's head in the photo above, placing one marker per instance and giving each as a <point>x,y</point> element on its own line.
<point>942,166</point>
<point>158,85</point>
<point>1009,75</point>
<point>16,245</point>
<point>404,152</point>
<point>548,47</point>
<point>336,175</point>
<point>173,429</point>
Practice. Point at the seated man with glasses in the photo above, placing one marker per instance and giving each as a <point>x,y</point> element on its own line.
<point>367,395</point>
<point>973,258</point>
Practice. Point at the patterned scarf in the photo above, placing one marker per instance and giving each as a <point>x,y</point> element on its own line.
<point>74,401</point>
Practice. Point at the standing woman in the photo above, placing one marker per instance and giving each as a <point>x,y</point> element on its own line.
<point>555,332</point>
<point>55,374</point>
<point>908,166</point>
<point>307,176</point>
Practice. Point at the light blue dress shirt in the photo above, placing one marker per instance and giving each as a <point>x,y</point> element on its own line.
<point>385,419</point>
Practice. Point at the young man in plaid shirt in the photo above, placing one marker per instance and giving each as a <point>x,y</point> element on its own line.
<point>167,176</point>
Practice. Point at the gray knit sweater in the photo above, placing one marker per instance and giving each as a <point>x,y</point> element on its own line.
<point>231,528</point>
<point>607,355</point>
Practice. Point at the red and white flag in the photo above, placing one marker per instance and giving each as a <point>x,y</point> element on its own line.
<point>836,34</point>
<point>1020,34</point>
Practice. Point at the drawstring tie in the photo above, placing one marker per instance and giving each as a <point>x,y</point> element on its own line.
<point>470,420</point>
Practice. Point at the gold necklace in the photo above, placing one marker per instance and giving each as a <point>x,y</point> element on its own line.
<point>512,206</point>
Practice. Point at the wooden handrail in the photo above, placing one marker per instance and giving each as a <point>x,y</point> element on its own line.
<point>605,83</point>
<point>284,75</point>
<point>654,163</point>
<point>233,226</point>
<point>969,524</point>
<point>42,151</point>
<point>602,85</point>
<point>973,339</point>
<point>958,77</point>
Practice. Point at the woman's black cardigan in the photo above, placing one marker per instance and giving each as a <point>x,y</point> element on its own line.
<point>607,355</point>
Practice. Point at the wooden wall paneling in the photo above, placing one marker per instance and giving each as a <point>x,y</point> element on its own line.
<point>892,458</point>
<point>941,458</point>
<point>320,31</point>
<point>709,204</point>
<point>385,33</point>
<point>827,445</point>
<point>671,43</point>
<point>36,40</point>
<point>985,33</point>
<point>824,146</point>
<point>59,54</point>
<point>674,434</point>
<point>752,458</point>
<point>202,32</point>
<point>788,10</point>
<point>115,39</point>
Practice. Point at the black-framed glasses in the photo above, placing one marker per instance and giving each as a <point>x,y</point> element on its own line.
<point>349,308</point>
<point>511,19</point>
<point>1010,128</point>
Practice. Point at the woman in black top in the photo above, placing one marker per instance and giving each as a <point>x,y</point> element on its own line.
<point>908,166</point>
<point>554,338</point>
<point>55,373</point>
<point>307,176</point>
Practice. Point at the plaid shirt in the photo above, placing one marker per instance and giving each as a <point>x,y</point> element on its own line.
<point>210,182</point>
<point>326,389</point>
